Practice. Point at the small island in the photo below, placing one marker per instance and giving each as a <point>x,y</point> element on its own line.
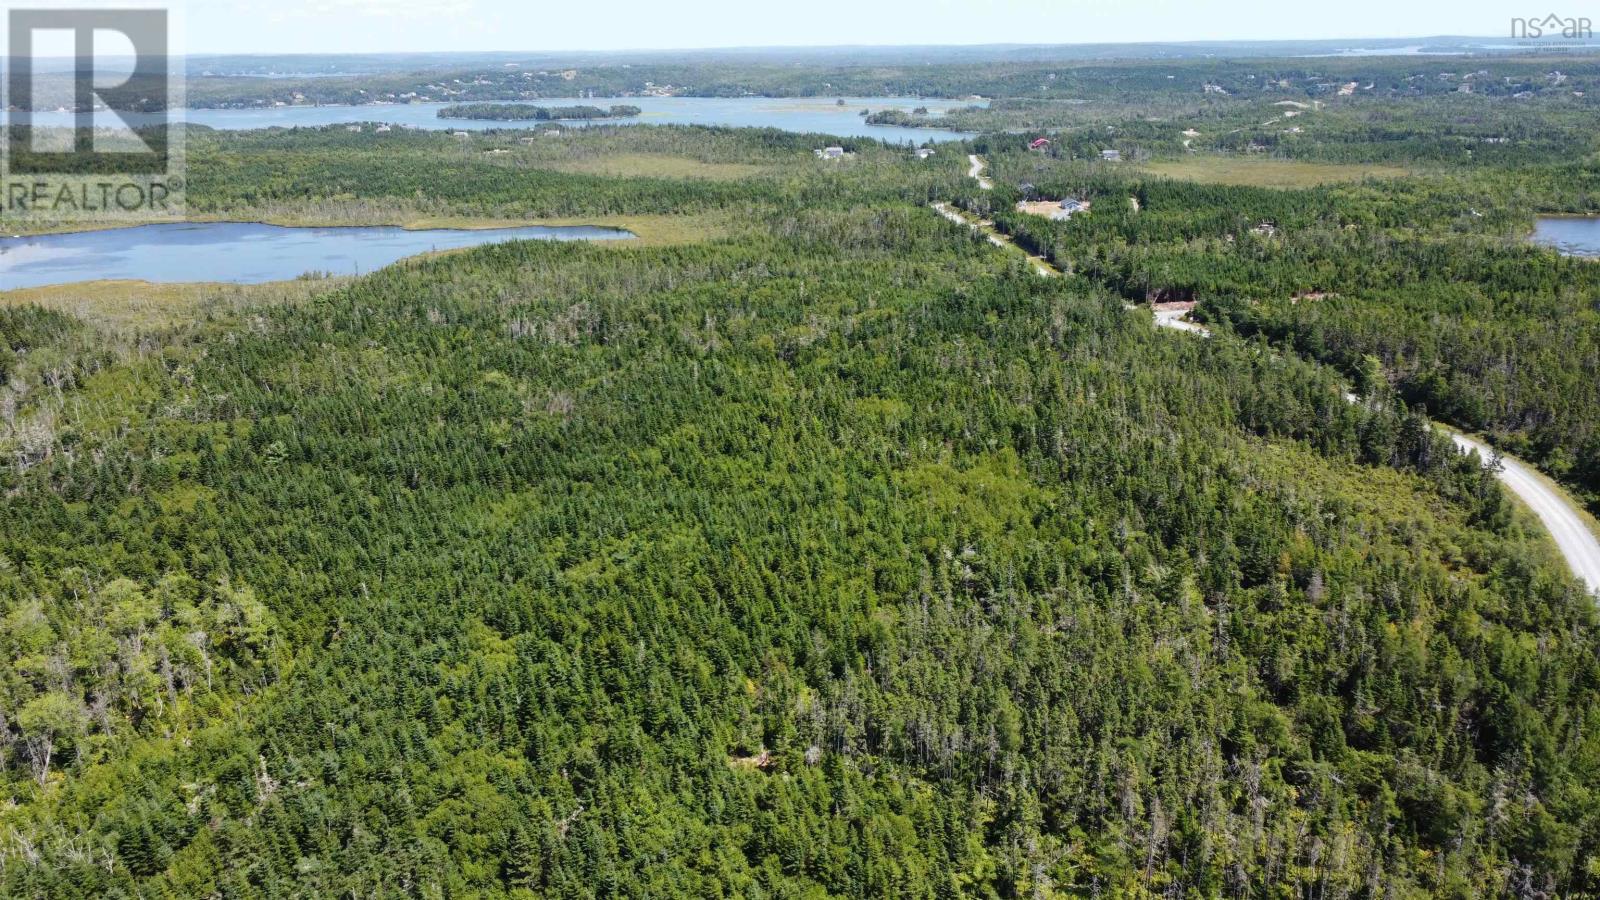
<point>522,112</point>
<point>958,118</point>
<point>917,118</point>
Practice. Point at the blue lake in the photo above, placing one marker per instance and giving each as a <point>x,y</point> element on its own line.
<point>1572,235</point>
<point>821,115</point>
<point>241,253</point>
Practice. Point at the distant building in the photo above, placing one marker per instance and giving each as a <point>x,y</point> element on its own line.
<point>353,128</point>
<point>830,153</point>
<point>383,129</point>
<point>924,153</point>
<point>462,134</point>
<point>1068,208</point>
<point>1111,155</point>
<point>1039,143</point>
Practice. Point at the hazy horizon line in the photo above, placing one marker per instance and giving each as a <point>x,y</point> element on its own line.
<point>1553,41</point>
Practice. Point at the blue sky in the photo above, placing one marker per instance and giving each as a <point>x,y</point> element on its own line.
<point>244,26</point>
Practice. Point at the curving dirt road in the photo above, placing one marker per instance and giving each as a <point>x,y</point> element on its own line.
<point>1560,517</point>
<point>1179,319</point>
<point>1559,514</point>
<point>976,172</point>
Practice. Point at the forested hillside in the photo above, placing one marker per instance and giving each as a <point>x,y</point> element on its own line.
<point>844,557</point>
<point>812,545</point>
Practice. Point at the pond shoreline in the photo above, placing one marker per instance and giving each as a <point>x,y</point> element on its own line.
<point>1575,235</point>
<point>249,252</point>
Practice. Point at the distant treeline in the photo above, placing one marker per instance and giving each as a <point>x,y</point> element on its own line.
<point>521,112</point>
<point>1194,86</point>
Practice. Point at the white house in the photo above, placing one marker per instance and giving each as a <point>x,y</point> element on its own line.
<point>830,153</point>
<point>1069,208</point>
<point>1111,155</point>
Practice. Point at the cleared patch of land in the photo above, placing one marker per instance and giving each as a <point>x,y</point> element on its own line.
<point>1049,209</point>
<point>1261,172</point>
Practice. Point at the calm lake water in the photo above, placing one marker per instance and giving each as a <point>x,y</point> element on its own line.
<point>1572,235</point>
<point>241,253</point>
<point>800,114</point>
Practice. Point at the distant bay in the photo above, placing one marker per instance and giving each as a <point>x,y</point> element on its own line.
<point>819,115</point>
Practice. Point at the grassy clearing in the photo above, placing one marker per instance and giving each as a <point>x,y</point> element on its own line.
<point>652,230</point>
<point>1273,173</point>
<point>132,307</point>
<point>656,165</point>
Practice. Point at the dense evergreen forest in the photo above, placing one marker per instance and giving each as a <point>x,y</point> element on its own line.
<point>830,553</point>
